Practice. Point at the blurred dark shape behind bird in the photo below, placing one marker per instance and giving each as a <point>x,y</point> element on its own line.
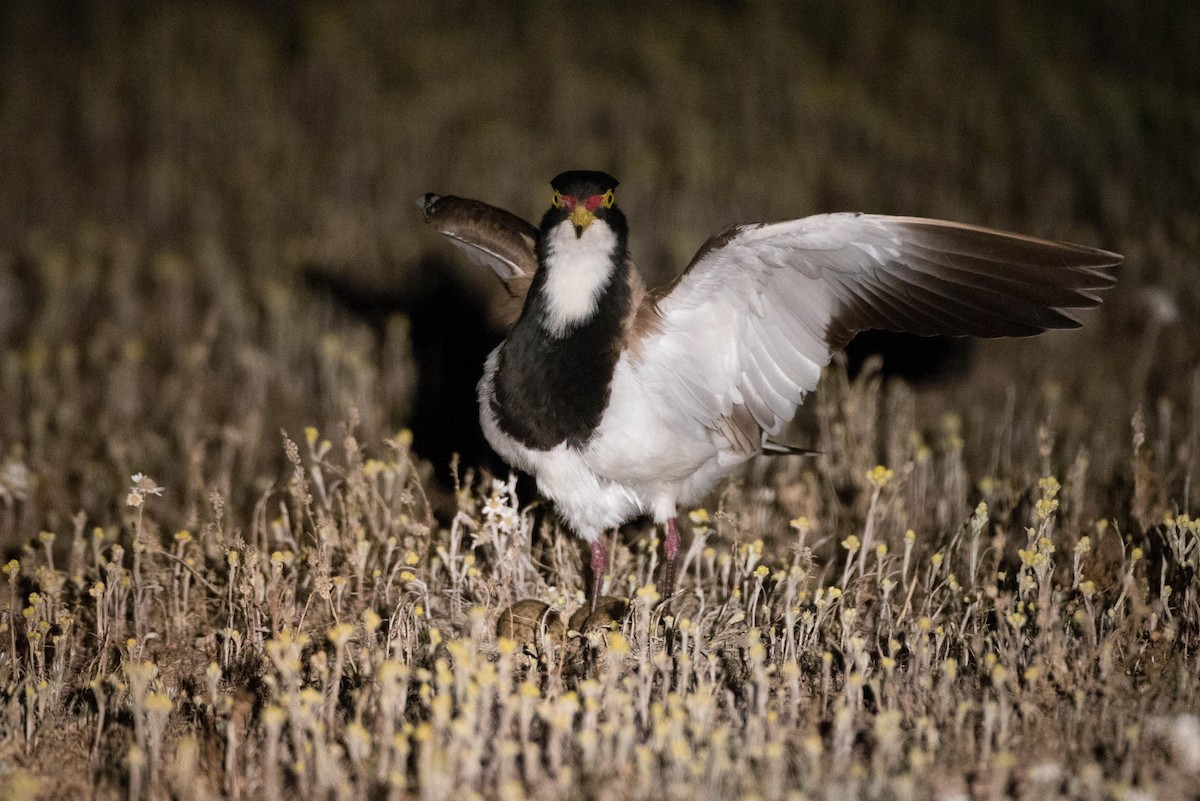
<point>916,359</point>
<point>20,296</point>
<point>452,333</point>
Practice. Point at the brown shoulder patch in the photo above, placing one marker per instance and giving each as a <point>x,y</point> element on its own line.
<point>643,318</point>
<point>715,242</point>
<point>646,318</point>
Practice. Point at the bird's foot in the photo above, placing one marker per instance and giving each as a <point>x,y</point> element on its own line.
<point>599,569</point>
<point>671,547</point>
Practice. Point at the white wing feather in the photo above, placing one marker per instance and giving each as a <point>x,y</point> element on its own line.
<point>762,308</point>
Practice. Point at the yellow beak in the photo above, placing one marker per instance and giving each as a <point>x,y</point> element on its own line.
<point>581,218</point>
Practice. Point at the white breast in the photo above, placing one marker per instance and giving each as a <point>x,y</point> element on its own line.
<point>645,457</point>
<point>643,440</point>
<point>590,503</point>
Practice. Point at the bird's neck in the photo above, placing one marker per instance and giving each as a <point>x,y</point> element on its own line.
<point>555,368</point>
<point>574,273</point>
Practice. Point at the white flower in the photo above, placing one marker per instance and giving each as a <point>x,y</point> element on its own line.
<point>143,485</point>
<point>493,506</point>
<point>146,485</point>
<point>14,480</point>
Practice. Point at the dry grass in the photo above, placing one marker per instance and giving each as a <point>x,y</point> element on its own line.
<point>846,630</point>
<point>982,589</point>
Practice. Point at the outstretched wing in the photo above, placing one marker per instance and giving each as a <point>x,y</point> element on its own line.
<point>489,237</point>
<point>743,334</point>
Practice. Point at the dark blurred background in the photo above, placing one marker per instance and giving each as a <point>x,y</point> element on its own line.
<point>307,128</point>
<point>207,227</point>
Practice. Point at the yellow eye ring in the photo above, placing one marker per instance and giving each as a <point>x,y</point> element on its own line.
<point>609,199</point>
<point>556,200</point>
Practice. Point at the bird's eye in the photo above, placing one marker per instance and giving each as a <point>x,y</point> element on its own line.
<point>609,199</point>
<point>556,200</point>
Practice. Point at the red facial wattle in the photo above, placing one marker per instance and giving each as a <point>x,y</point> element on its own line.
<point>591,203</point>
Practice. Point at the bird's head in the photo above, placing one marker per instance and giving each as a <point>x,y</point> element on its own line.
<point>581,246</point>
<point>583,197</point>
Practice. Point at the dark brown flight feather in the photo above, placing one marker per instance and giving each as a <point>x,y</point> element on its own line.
<point>954,279</point>
<point>488,235</point>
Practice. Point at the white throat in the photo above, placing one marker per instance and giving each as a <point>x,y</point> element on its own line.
<point>577,271</point>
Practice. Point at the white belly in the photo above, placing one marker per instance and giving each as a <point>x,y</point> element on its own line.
<point>644,458</point>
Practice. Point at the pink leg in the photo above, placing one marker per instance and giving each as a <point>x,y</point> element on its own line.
<point>671,547</point>
<point>599,568</point>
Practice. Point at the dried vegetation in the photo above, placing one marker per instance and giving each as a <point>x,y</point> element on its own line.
<point>982,589</point>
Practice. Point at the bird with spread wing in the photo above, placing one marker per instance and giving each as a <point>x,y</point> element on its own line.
<point>622,401</point>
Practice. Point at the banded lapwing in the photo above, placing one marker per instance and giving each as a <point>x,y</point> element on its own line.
<point>622,401</point>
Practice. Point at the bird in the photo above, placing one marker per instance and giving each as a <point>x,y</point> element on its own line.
<point>623,401</point>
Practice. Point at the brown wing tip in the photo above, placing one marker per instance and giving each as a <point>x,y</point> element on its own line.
<point>1082,256</point>
<point>1104,280</point>
<point>426,202</point>
<point>1062,254</point>
<point>1106,258</point>
<point>1094,262</point>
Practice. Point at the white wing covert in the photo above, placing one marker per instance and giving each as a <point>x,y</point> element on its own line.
<point>749,326</point>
